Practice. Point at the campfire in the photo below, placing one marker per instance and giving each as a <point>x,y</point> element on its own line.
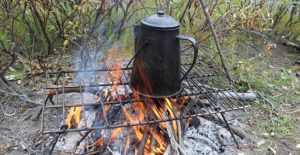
<point>98,112</point>
<point>142,114</point>
<point>143,109</point>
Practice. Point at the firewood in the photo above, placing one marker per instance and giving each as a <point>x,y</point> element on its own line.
<point>143,142</point>
<point>52,92</point>
<point>174,148</point>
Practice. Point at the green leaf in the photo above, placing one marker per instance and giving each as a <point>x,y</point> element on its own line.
<point>66,42</point>
<point>17,73</point>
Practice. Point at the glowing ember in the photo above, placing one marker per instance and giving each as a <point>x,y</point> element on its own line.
<point>98,143</point>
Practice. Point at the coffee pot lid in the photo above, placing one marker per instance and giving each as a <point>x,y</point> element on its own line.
<point>160,20</point>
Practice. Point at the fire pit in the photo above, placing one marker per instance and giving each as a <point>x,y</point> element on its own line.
<point>97,110</point>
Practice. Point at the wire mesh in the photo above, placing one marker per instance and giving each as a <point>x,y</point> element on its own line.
<point>205,91</point>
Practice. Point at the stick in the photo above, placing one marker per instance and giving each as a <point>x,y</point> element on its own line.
<point>265,99</point>
<point>71,90</point>
<point>174,148</point>
<point>82,138</point>
<point>153,141</point>
<point>180,139</point>
<point>143,142</point>
<point>230,130</point>
<point>64,127</point>
<point>216,40</point>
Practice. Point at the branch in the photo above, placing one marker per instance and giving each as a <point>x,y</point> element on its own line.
<point>13,60</point>
<point>216,40</point>
<point>20,94</point>
<point>42,25</point>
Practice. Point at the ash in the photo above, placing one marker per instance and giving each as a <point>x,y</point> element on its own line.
<point>208,138</point>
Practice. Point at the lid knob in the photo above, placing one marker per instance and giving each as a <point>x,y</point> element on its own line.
<point>160,20</point>
<point>160,13</point>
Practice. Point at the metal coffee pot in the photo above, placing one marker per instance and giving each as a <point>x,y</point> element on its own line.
<point>156,68</point>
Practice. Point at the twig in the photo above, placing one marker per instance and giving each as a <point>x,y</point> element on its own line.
<point>20,95</point>
<point>153,142</point>
<point>112,152</point>
<point>64,127</point>
<point>174,148</point>
<point>230,130</point>
<point>5,114</point>
<point>82,138</point>
<point>265,99</point>
<point>180,134</point>
<point>71,90</point>
<point>143,142</point>
<point>295,111</point>
<point>216,40</point>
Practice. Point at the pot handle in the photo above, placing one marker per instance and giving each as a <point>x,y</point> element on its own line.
<point>137,53</point>
<point>195,46</point>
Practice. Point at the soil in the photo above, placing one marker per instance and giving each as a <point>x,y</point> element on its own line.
<point>18,130</point>
<point>281,57</point>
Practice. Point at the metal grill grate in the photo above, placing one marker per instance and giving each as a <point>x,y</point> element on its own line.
<point>205,92</point>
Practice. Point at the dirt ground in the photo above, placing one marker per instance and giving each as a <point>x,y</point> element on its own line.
<point>18,130</point>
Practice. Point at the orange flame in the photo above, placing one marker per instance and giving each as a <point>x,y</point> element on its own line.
<point>116,132</point>
<point>160,141</point>
<point>140,109</point>
<point>115,75</point>
<point>138,132</point>
<point>168,107</point>
<point>140,71</point>
<point>73,116</point>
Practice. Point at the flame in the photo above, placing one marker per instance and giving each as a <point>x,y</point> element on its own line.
<point>158,112</point>
<point>73,116</point>
<point>141,73</point>
<point>99,142</point>
<point>138,133</point>
<point>115,74</point>
<point>116,132</point>
<point>160,141</point>
<point>105,95</point>
<point>168,107</point>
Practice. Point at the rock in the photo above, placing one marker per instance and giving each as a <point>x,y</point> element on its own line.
<point>272,150</point>
<point>260,143</point>
<point>284,87</point>
<point>297,146</point>
<point>195,122</point>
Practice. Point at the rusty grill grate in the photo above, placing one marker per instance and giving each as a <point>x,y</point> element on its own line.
<point>205,92</point>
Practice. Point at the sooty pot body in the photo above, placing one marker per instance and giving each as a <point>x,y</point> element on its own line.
<point>156,67</point>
